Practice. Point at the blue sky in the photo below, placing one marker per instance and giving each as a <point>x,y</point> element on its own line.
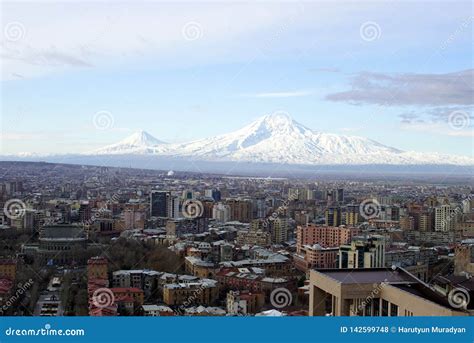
<point>398,72</point>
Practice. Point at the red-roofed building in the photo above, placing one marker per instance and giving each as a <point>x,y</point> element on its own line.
<point>131,292</point>
<point>97,268</point>
<point>109,311</point>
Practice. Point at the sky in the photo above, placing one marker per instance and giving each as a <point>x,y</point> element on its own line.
<point>80,75</point>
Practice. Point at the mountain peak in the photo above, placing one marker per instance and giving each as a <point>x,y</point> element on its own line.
<point>277,138</point>
<point>278,123</point>
<point>138,142</point>
<point>141,138</point>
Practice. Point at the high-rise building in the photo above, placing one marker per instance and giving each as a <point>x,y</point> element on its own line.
<point>352,215</point>
<point>326,236</point>
<point>394,212</point>
<point>160,203</point>
<point>240,210</point>
<point>363,252</point>
<point>84,211</point>
<point>221,212</point>
<point>333,216</point>
<point>297,194</point>
<point>188,194</point>
<point>260,207</point>
<point>425,222</point>
<point>445,218</point>
<point>279,230</point>
<point>340,195</point>
<point>214,194</point>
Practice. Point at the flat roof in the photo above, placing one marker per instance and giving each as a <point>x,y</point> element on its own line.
<point>428,294</point>
<point>361,276</point>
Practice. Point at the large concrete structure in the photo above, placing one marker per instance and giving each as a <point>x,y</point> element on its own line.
<point>374,292</point>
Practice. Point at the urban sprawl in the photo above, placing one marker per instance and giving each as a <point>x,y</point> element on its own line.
<point>100,241</point>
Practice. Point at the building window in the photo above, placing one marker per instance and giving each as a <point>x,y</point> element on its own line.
<point>376,307</point>
<point>368,309</point>
<point>393,310</point>
<point>384,308</point>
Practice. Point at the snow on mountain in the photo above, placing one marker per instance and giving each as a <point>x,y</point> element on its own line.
<point>277,138</point>
<point>140,142</point>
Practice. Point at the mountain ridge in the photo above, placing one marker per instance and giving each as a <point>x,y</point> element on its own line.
<point>277,138</point>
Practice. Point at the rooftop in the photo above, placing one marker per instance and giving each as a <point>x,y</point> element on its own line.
<point>361,276</point>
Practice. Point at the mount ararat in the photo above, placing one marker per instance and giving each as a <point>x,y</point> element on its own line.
<point>277,138</point>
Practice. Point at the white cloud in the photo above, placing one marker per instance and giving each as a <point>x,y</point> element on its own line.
<point>103,34</point>
<point>107,33</point>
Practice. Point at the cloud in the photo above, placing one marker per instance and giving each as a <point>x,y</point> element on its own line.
<point>436,114</point>
<point>454,121</point>
<point>409,89</point>
<point>44,57</point>
<point>286,94</point>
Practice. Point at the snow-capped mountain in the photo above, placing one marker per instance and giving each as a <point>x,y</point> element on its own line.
<point>277,138</point>
<point>140,142</point>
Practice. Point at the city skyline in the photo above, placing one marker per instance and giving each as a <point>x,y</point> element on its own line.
<point>185,72</point>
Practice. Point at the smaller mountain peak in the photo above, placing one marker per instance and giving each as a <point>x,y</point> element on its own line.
<point>141,137</point>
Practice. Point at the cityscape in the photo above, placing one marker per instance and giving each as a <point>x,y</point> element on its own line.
<point>81,240</point>
<point>232,170</point>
